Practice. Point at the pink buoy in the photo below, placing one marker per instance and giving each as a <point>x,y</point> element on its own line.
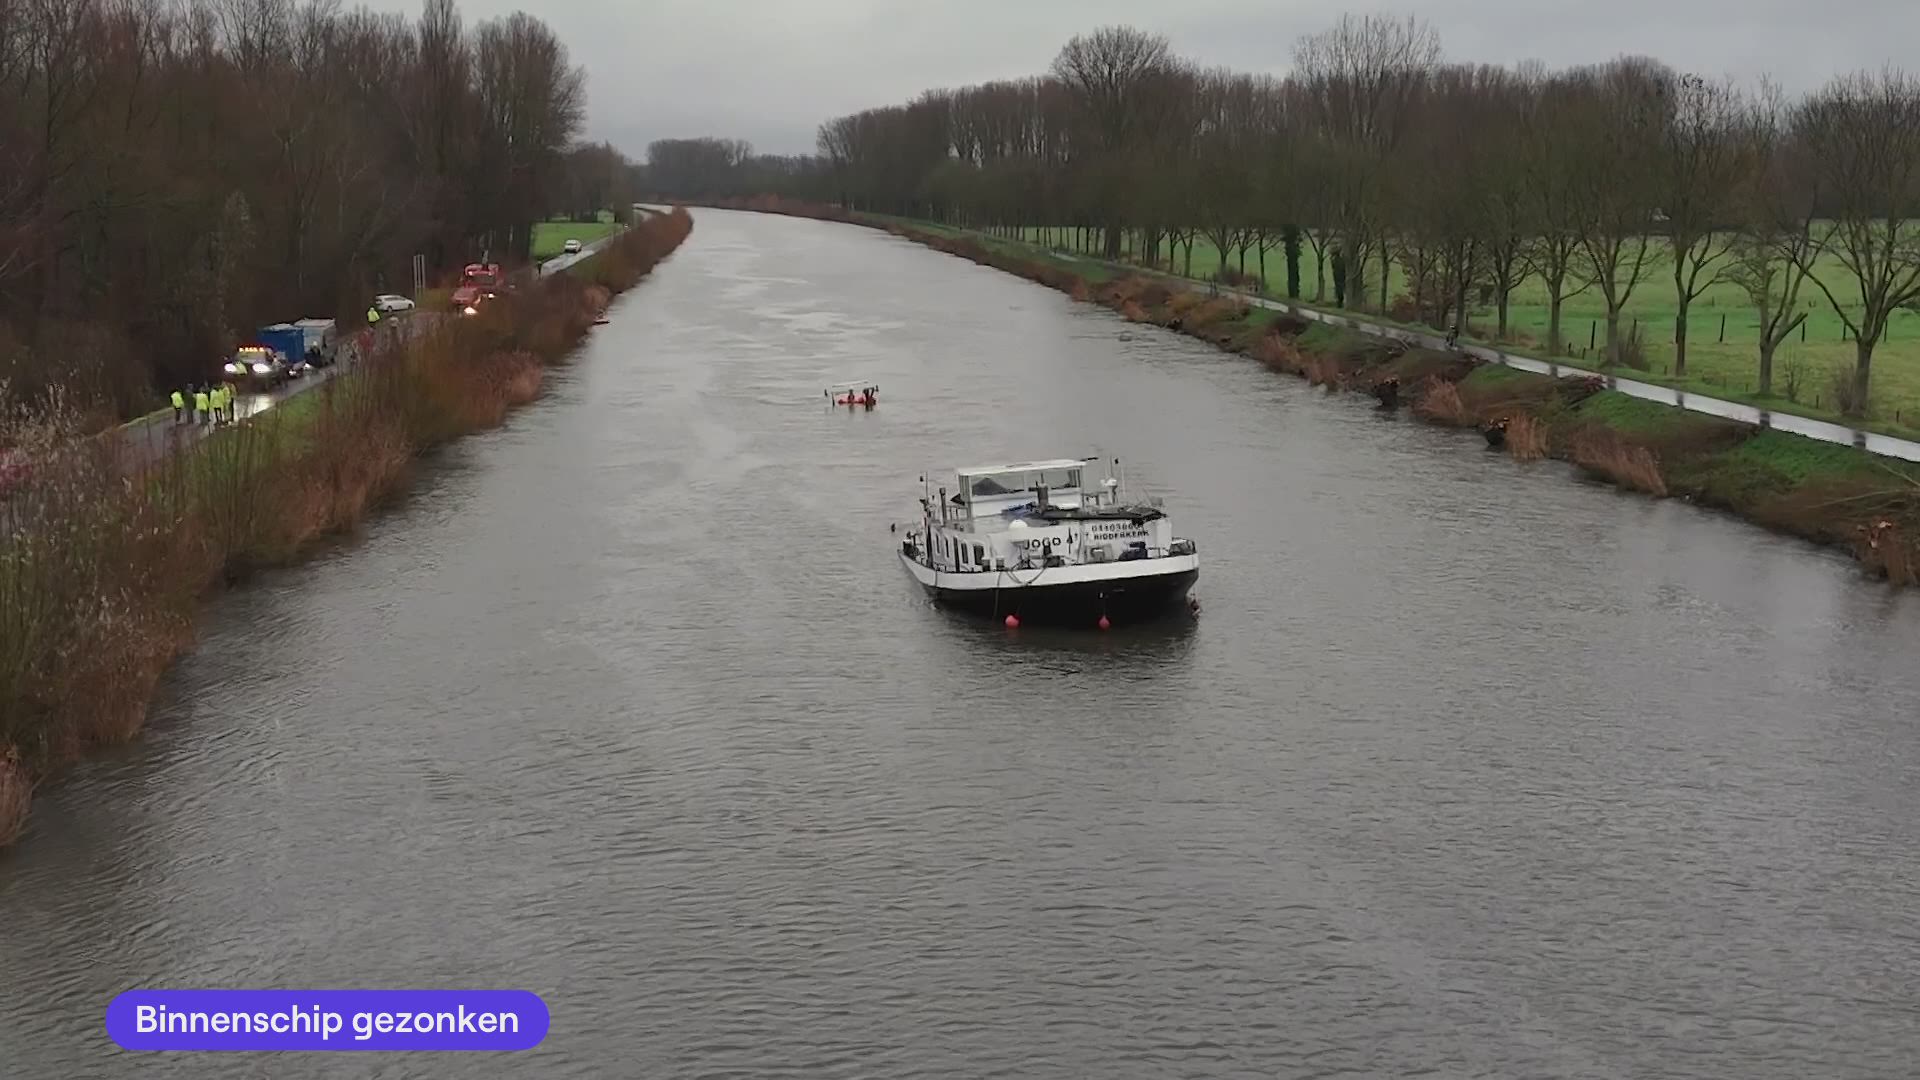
<point>1104,624</point>
<point>1013,622</point>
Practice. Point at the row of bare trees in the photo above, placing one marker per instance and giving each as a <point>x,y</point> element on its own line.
<point>179,170</point>
<point>710,168</point>
<point>1374,152</point>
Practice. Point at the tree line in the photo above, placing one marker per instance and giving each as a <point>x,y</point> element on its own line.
<point>180,170</point>
<point>1375,152</point>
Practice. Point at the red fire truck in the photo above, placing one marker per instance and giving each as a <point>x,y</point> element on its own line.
<point>479,282</point>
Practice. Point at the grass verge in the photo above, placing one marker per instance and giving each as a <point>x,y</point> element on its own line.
<point>550,237</point>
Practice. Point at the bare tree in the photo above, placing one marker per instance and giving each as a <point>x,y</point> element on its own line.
<point>1861,137</point>
<point>178,171</point>
<point>1618,123</point>
<point>697,168</point>
<point>532,100</point>
<point>1775,243</point>
<point>1496,100</point>
<point>1222,191</point>
<point>1552,168</point>
<point>1769,265</point>
<point>1708,149</point>
<point>1318,206</point>
<point>1359,80</point>
<point>1111,74</point>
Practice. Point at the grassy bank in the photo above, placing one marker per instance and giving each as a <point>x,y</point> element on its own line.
<point>1722,328</point>
<point>1835,495</point>
<point>101,575</point>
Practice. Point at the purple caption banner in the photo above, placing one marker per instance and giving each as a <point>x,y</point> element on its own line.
<point>255,1020</point>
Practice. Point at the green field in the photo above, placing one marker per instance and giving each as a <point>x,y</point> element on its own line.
<point>550,236</point>
<point>1728,369</point>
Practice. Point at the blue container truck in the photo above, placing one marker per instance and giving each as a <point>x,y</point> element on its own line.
<point>286,339</point>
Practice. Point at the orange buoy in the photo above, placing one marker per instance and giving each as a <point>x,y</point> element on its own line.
<point>1013,622</point>
<point>1104,624</point>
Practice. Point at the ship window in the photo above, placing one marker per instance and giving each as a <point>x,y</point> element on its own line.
<point>979,555</point>
<point>1059,479</point>
<point>996,485</point>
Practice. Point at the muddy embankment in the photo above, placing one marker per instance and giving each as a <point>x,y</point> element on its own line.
<point>1832,495</point>
<point>102,574</point>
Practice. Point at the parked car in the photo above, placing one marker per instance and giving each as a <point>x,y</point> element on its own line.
<point>388,303</point>
<point>571,247</point>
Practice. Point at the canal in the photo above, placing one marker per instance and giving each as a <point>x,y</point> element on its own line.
<point>1467,769</point>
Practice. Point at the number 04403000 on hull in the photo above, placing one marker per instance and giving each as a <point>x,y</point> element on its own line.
<point>1034,540</point>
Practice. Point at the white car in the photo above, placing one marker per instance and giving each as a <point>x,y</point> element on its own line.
<point>571,247</point>
<point>387,303</point>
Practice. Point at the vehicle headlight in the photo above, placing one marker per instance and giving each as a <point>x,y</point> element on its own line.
<point>233,369</point>
<point>471,310</point>
<point>261,369</point>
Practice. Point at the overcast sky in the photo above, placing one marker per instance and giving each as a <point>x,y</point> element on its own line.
<point>769,71</point>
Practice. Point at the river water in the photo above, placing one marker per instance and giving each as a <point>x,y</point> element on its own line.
<point>1466,770</point>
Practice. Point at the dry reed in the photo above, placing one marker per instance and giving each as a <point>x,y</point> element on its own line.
<point>1218,309</point>
<point>16,795</point>
<point>1280,354</point>
<point>1885,549</point>
<point>1324,371</point>
<point>1439,402</point>
<point>1605,454</point>
<point>1526,437</point>
<point>1183,302</point>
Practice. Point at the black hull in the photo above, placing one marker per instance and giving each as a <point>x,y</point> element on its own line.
<point>1131,600</point>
